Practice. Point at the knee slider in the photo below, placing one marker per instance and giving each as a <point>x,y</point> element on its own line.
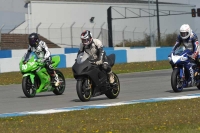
<point>105,66</point>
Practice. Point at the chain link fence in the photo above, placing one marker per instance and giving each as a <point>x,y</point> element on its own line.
<point>70,36</point>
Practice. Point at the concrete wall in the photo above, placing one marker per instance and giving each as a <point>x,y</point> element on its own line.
<point>9,63</point>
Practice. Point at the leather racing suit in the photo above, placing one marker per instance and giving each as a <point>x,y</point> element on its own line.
<point>42,52</point>
<point>192,44</point>
<point>95,49</point>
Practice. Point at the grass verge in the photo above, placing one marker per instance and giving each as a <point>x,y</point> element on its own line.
<point>180,116</point>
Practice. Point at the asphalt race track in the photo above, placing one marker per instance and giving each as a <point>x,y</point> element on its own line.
<point>134,86</point>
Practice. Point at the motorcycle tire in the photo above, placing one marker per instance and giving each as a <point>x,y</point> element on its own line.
<point>84,96</point>
<point>175,80</point>
<point>27,87</point>
<point>113,93</point>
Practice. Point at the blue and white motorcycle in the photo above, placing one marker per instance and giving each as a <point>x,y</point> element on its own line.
<point>185,71</point>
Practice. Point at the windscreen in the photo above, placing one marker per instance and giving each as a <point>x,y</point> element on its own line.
<point>32,54</point>
<point>179,50</point>
<point>82,57</point>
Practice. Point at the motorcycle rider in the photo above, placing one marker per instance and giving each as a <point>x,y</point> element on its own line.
<point>190,41</point>
<point>43,54</point>
<point>94,47</point>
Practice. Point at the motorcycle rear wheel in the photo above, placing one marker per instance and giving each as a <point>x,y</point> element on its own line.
<point>114,92</point>
<point>27,87</point>
<point>176,84</point>
<point>84,96</point>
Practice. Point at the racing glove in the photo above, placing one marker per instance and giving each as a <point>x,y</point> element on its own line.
<point>41,60</point>
<point>195,54</point>
<point>99,62</point>
<point>24,61</point>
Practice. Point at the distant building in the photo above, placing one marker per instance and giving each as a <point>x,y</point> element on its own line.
<point>62,21</point>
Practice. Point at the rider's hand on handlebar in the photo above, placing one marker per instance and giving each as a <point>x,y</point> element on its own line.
<point>24,62</point>
<point>41,60</point>
<point>99,62</point>
<point>194,55</point>
<point>92,61</point>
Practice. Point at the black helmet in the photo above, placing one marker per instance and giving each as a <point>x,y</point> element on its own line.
<point>33,39</point>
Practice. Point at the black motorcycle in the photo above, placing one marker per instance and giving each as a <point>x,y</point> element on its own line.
<point>92,80</point>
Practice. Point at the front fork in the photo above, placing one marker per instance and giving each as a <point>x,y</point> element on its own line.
<point>182,74</point>
<point>32,76</point>
<point>182,81</point>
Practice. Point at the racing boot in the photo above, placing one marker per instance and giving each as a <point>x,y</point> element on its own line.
<point>111,78</point>
<point>56,80</point>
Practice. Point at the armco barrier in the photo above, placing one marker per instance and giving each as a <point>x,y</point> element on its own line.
<point>120,55</point>
<point>9,63</point>
<point>21,52</point>
<point>70,59</point>
<point>162,53</point>
<point>141,55</point>
<point>5,54</point>
<point>71,50</point>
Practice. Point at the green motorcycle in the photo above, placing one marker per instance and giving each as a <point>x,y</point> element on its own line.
<point>36,78</point>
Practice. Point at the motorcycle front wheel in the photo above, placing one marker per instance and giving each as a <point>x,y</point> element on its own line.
<point>176,83</point>
<point>83,93</point>
<point>27,87</point>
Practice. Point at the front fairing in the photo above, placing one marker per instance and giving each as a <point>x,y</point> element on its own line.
<point>30,66</point>
<point>180,57</point>
<point>55,61</point>
<point>82,69</point>
<point>82,64</point>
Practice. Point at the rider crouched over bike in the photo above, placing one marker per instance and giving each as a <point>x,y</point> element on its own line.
<point>94,47</point>
<point>43,54</point>
<point>190,41</point>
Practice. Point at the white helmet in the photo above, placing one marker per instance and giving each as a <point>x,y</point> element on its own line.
<point>185,31</point>
<point>86,37</point>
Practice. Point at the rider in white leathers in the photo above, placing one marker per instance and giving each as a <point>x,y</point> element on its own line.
<point>42,52</point>
<point>94,47</point>
<point>190,41</point>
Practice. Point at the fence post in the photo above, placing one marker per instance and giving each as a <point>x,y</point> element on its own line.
<point>61,33</point>
<point>144,30</point>
<point>102,31</point>
<point>71,34</point>
<point>26,29</point>
<point>38,27</point>
<point>82,27</point>
<point>93,29</point>
<point>49,31</point>
<point>133,33</point>
<point>0,34</point>
<point>123,35</point>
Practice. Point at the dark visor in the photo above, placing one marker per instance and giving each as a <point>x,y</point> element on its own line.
<point>183,34</point>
